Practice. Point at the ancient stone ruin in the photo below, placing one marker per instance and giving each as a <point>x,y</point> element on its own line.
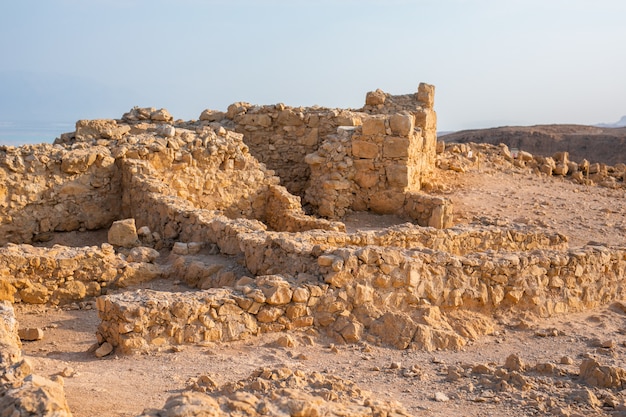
<point>269,187</point>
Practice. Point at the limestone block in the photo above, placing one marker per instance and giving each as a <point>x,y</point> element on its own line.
<point>524,156</point>
<point>374,126</point>
<point>386,202</point>
<point>7,291</point>
<point>375,98</point>
<point>236,109</point>
<point>363,149</point>
<point>561,157</point>
<point>161,115</point>
<point>402,124</point>
<point>78,160</point>
<point>426,95</point>
<point>34,294</point>
<point>546,169</point>
<point>212,115</point>
<point>311,138</point>
<point>123,233</point>
<point>290,117</point>
<point>87,130</point>
<point>30,334</point>
<point>255,120</point>
<point>396,147</point>
<point>366,179</point>
<point>166,130</point>
<point>397,175</point>
<point>395,329</point>
<point>314,159</point>
<point>560,169</point>
<point>72,291</point>
<point>142,254</point>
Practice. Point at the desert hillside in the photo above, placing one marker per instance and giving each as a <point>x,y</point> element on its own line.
<point>596,144</point>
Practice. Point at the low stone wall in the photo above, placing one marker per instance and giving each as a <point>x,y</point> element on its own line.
<point>428,210</point>
<point>281,253</point>
<point>412,298</point>
<point>47,188</point>
<point>21,392</point>
<point>61,275</point>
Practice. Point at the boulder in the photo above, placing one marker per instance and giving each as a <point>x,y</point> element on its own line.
<point>123,233</point>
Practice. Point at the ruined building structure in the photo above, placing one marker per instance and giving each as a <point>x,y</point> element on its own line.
<point>266,188</point>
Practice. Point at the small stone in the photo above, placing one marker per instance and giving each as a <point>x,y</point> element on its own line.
<point>566,360</point>
<point>30,334</point>
<point>514,363</point>
<point>105,349</point>
<point>608,344</point>
<point>482,369</point>
<point>441,397</point>
<point>68,372</point>
<point>285,342</point>
<point>395,365</point>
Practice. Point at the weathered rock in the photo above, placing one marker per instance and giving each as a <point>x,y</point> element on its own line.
<point>123,233</point>
<point>30,334</point>
<point>596,375</point>
<point>105,349</point>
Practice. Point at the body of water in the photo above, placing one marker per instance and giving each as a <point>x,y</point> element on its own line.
<point>22,133</point>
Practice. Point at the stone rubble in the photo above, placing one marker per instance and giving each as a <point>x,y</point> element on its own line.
<point>22,393</point>
<point>278,392</point>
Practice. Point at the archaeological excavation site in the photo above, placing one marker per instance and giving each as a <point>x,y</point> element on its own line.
<point>291,261</point>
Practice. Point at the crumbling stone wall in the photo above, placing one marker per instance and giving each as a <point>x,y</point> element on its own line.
<point>282,137</point>
<point>379,166</point>
<point>61,275</point>
<point>46,189</point>
<point>404,298</point>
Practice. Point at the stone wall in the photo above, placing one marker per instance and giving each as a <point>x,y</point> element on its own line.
<point>61,275</point>
<point>282,137</point>
<point>46,189</point>
<point>375,167</point>
<point>411,298</point>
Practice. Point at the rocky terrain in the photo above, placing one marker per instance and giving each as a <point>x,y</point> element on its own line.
<point>596,144</point>
<point>154,267</point>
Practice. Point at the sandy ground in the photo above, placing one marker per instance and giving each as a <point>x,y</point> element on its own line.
<point>125,385</point>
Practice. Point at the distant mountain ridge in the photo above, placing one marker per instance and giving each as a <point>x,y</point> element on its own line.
<point>620,123</point>
<point>594,143</point>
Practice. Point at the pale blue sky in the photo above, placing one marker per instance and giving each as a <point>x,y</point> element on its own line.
<point>493,62</point>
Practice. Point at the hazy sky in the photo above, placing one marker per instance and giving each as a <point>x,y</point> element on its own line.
<point>493,62</point>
